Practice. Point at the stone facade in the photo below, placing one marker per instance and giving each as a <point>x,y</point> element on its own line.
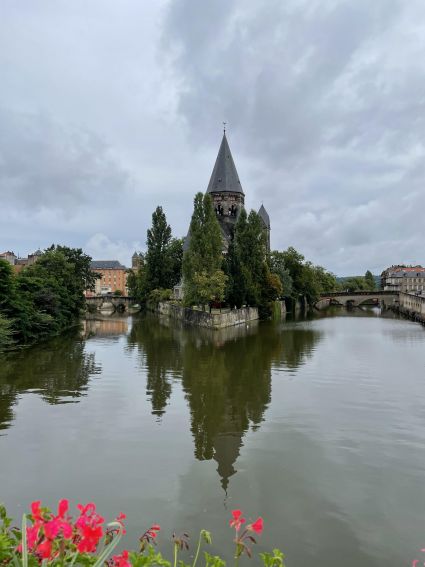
<point>208,320</point>
<point>403,279</point>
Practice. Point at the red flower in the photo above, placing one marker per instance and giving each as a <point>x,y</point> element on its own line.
<point>36,510</point>
<point>257,526</point>
<point>52,528</point>
<point>121,560</point>
<point>45,549</point>
<point>89,528</point>
<point>153,529</point>
<point>237,520</point>
<point>63,508</point>
<point>120,519</point>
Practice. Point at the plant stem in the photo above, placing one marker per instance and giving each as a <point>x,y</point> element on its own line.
<point>175,554</point>
<point>197,551</point>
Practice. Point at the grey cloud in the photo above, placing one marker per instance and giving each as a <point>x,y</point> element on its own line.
<point>324,100</point>
<point>326,106</point>
<point>44,164</point>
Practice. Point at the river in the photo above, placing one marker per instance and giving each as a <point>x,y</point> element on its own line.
<point>317,425</point>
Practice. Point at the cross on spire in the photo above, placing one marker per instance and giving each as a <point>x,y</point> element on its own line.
<point>224,127</point>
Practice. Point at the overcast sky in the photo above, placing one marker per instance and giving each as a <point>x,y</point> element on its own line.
<point>109,108</point>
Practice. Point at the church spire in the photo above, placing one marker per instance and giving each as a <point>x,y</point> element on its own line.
<point>224,177</point>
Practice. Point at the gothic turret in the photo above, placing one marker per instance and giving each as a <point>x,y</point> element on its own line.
<point>264,216</point>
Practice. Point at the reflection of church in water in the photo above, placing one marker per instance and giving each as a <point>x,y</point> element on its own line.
<point>225,376</point>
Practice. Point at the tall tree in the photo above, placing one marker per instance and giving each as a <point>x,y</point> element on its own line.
<point>157,268</point>
<point>174,262</point>
<point>203,258</point>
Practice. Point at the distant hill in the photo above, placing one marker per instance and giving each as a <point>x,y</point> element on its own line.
<point>341,279</point>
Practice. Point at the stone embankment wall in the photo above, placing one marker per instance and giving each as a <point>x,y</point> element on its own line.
<point>412,306</point>
<point>208,320</point>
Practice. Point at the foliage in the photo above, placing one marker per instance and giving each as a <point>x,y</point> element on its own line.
<point>175,261</point>
<point>158,295</point>
<point>370,280</point>
<point>5,333</point>
<point>308,280</point>
<point>135,282</point>
<point>59,540</point>
<point>250,280</point>
<point>46,297</point>
<point>163,260</point>
<point>358,283</point>
<point>277,266</point>
<point>203,258</point>
<point>210,287</point>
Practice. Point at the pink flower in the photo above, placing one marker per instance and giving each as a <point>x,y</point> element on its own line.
<point>257,526</point>
<point>237,520</point>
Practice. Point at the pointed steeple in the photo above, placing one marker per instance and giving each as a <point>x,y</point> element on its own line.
<point>264,216</point>
<point>224,177</point>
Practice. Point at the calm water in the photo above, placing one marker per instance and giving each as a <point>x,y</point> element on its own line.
<point>317,425</point>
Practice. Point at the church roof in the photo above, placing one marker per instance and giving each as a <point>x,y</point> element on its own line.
<point>224,176</point>
<point>264,216</point>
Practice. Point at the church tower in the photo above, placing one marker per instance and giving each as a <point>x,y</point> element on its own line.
<point>228,197</point>
<point>226,191</point>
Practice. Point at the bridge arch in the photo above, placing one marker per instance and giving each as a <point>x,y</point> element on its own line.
<point>357,299</point>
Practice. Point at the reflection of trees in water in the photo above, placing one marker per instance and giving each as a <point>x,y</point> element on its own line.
<point>160,354</point>
<point>226,376</point>
<point>297,345</point>
<point>58,371</point>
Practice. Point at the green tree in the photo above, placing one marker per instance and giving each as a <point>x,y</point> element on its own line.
<point>174,262</point>
<point>354,283</point>
<point>5,333</point>
<point>370,280</point>
<point>135,282</point>
<point>308,280</point>
<point>277,266</point>
<point>204,254</point>
<point>163,260</point>
<point>7,288</point>
<point>210,287</point>
<point>47,297</point>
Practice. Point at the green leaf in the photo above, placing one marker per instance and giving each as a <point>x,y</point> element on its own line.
<point>111,546</point>
<point>24,541</point>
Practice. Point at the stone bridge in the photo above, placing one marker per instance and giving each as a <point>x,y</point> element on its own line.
<point>118,303</point>
<point>358,298</point>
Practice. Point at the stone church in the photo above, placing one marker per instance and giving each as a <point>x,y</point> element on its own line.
<point>228,197</point>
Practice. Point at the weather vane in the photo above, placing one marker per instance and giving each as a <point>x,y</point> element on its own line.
<point>224,127</point>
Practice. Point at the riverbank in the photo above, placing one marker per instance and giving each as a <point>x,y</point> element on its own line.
<point>411,306</point>
<point>228,318</point>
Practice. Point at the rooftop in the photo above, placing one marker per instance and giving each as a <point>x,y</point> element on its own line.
<point>264,216</point>
<point>106,265</point>
<point>224,177</point>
